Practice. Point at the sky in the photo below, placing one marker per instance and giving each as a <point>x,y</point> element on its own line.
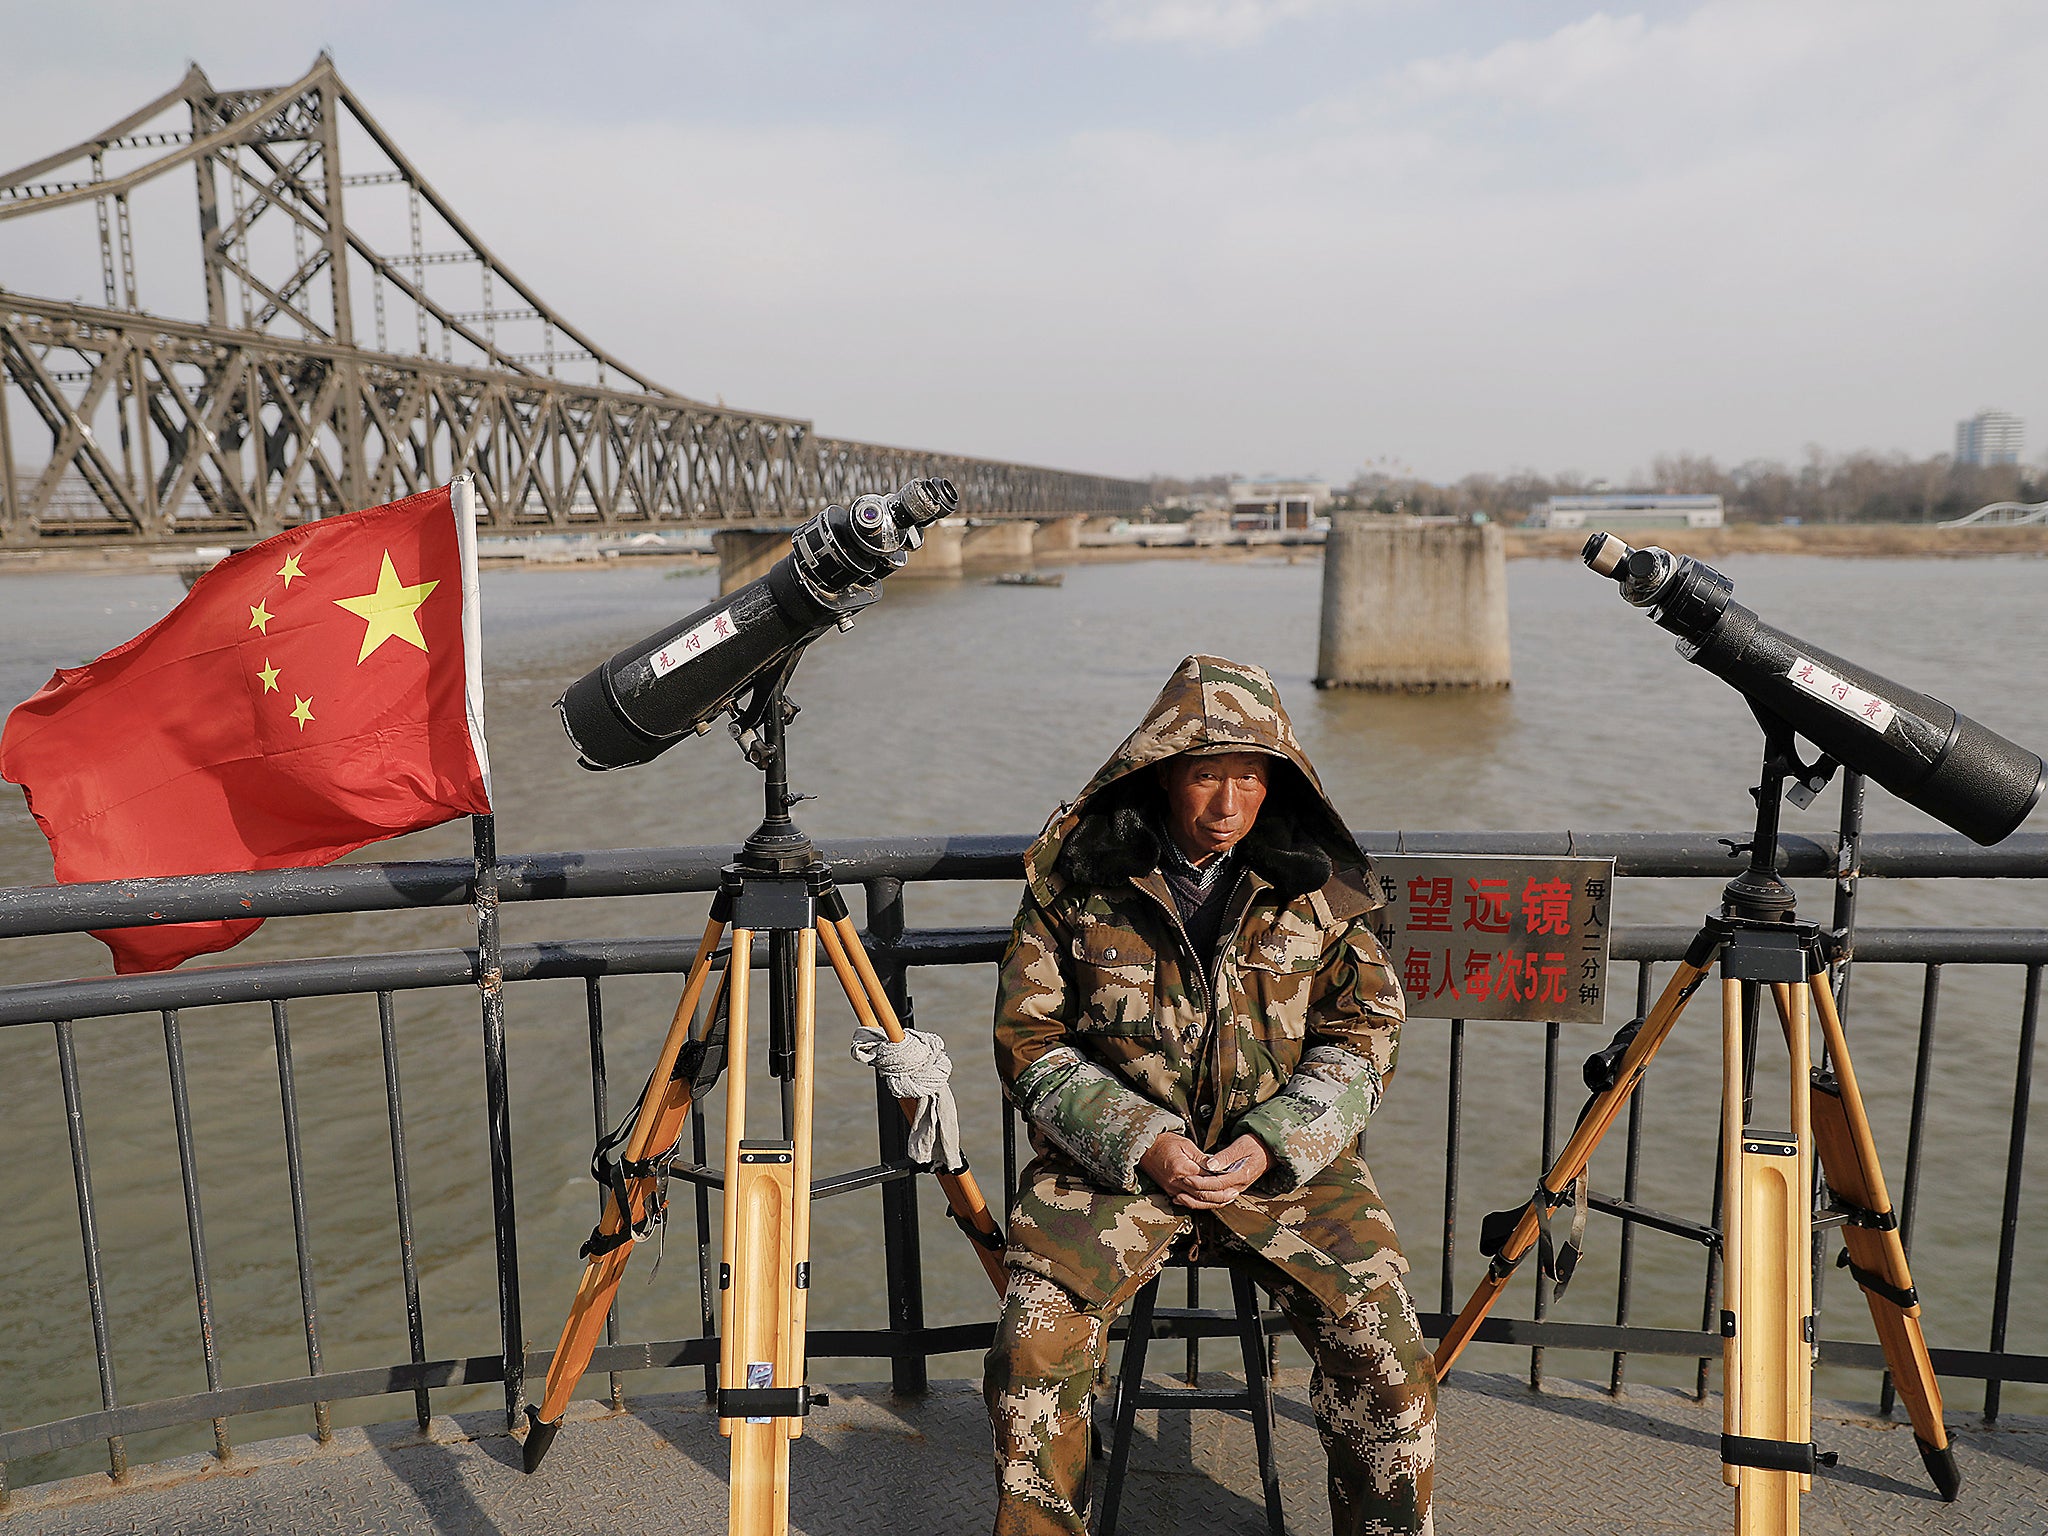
<point>1201,236</point>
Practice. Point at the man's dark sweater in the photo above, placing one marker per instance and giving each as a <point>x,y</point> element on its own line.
<point>1202,897</point>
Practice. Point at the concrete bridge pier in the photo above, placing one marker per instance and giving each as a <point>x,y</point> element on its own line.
<point>1413,607</point>
<point>940,553</point>
<point>1059,536</point>
<point>745,554</point>
<point>1005,544</point>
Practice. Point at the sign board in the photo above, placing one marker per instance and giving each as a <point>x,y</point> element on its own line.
<point>1480,937</point>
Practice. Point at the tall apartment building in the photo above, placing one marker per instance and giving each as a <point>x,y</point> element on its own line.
<point>1989,437</point>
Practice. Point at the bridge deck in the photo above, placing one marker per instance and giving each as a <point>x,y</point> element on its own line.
<point>1568,1459</point>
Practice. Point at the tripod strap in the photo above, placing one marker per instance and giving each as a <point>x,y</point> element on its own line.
<point>1877,1285</point>
<point>1559,1263</point>
<point>1774,1455</point>
<point>700,1062</point>
<point>993,1241</point>
<point>1858,1216</point>
<point>768,1402</point>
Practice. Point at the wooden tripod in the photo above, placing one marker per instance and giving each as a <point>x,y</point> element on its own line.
<point>1767,1322</point>
<point>781,888</point>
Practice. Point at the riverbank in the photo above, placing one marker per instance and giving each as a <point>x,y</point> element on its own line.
<point>1917,541</point>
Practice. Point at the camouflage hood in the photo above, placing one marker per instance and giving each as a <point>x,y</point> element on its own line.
<point>1111,829</point>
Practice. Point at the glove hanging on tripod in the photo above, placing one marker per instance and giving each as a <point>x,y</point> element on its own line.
<point>917,1067</point>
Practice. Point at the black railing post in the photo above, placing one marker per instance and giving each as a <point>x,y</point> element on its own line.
<point>89,1235</point>
<point>1454,1131</point>
<point>295,1174</point>
<point>600,1110</point>
<point>401,1194</point>
<point>490,984</point>
<point>1542,1310</point>
<point>1624,1279</point>
<point>195,1224</point>
<point>2015,1166</point>
<point>707,1271</point>
<point>901,1249</point>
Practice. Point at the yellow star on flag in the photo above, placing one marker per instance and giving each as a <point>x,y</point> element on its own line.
<point>260,617</point>
<point>289,569</point>
<point>269,675</point>
<point>302,710</point>
<point>392,611</point>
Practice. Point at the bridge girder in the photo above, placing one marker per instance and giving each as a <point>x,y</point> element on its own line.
<point>164,430</point>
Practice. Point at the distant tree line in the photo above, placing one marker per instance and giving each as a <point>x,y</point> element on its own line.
<point>1823,488</point>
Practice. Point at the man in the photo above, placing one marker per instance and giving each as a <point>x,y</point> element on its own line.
<point>1197,1023</point>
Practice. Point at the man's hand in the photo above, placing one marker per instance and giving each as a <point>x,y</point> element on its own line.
<point>1204,1181</point>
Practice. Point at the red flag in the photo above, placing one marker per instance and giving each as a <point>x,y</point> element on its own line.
<point>316,692</point>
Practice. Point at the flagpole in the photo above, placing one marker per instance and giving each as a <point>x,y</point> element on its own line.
<point>490,969</point>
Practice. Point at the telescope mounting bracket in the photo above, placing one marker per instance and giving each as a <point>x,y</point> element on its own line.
<point>751,715</point>
<point>1803,781</point>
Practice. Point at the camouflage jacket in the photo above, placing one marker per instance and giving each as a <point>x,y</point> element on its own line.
<point>1107,1032</point>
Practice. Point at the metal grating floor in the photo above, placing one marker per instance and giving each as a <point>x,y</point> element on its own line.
<point>1570,1459</point>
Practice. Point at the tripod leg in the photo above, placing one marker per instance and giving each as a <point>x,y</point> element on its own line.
<point>1767,1357</point>
<point>798,1275</point>
<point>1578,1151</point>
<point>757,1274</point>
<point>1733,1229</point>
<point>864,990</point>
<point>662,1110</point>
<point>1876,1256</point>
<point>1771,1344</point>
<point>1799,1041</point>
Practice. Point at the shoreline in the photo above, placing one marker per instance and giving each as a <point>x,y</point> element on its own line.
<point>1883,541</point>
<point>1878,541</point>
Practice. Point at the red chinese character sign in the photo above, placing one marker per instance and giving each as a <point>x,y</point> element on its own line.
<point>1477,937</point>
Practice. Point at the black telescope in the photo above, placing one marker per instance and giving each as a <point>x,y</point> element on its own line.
<point>676,681</point>
<point>1920,749</point>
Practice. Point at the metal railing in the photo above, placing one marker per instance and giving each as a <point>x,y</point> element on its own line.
<point>883,868</point>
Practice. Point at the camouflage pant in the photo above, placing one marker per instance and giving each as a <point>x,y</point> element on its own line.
<point>1373,1391</point>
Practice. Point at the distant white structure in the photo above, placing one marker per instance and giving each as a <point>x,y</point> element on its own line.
<point>2007,514</point>
<point>1990,437</point>
<point>1623,510</point>
<point>1273,503</point>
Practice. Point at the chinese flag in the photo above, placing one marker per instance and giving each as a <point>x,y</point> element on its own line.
<point>316,692</point>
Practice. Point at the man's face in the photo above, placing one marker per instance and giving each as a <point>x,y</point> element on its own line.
<point>1212,801</point>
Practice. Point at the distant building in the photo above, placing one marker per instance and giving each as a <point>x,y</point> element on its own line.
<point>1623,510</point>
<point>1989,437</point>
<point>1277,503</point>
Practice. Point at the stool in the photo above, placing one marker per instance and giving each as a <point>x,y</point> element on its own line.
<point>1131,1393</point>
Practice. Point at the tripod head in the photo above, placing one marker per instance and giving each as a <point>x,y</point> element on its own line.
<point>760,725</point>
<point>1758,894</point>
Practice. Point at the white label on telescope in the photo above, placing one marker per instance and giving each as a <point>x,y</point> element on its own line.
<point>715,630</point>
<point>1811,677</point>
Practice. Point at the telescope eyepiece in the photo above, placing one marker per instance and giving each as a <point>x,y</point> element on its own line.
<point>923,502</point>
<point>1647,577</point>
<point>1604,553</point>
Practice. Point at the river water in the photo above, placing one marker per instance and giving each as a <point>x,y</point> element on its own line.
<point>959,707</point>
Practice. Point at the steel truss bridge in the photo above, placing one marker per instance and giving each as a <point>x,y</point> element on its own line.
<point>118,425</point>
